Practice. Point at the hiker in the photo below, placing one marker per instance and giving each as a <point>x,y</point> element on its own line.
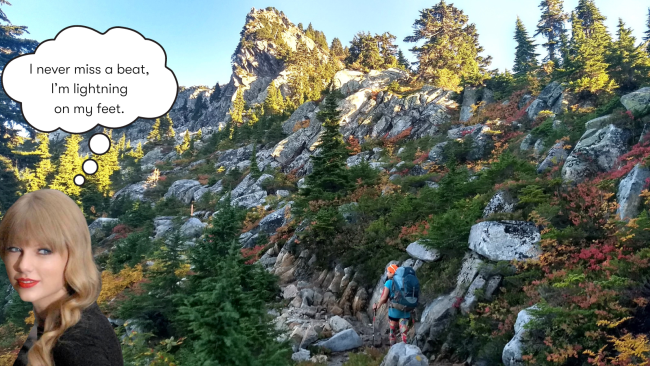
<point>399,307</point>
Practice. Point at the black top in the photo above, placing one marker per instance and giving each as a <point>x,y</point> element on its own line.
<point>92,341</point>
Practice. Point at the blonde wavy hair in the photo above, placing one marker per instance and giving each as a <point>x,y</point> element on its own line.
<point>52,219</point>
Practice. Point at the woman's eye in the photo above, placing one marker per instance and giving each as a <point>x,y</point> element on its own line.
<point>13,249</point>
<point>46,251</point>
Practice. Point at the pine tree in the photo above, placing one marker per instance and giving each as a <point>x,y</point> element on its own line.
<point>525,56</point>
<point>336,49</point>
<point>107,164</point>
<point>167,128</point>
<point>255,169</point>
<point>588,66</point>
<point>629,65</point>
<point>387,49</point>
<point>364,53</point>
<point>69,166</point>
<point>309,32</point>
<point>274,103</point>
<point>121,145</point>
<point>237,110</point>
<point>647,33</point>
<point>589,15</point>
<point>234,300</point>
<point>403,62</point>
<point>155,136</point>
<point>552,26</point>
<point>199,106</point>
<point>44,167</point>
<point>185,145</point>
<point>137,153</point>
<point>329,178</point>
<point>216,94</point>
<point>451,50</point>
<point>13,45</point>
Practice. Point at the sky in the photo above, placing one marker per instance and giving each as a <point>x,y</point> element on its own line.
<point>199,36</point>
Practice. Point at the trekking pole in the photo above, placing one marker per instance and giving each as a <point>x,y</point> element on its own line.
<point>374,312</point>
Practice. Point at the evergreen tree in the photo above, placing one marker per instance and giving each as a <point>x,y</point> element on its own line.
<point>403,62</point>
<point>589,16</point>
<point>237,110</point>
<point>451,50</point>
<point>336,49</point>
<point>44,167</point>
<point>647,33</point>
<point>274,103</point>
<point>629,65</point>
<point>155,136</point>
<point>226,316</point>
<point>137,153</point>
<point>309,32</point>
<point>387,49</point>
<point>155,306</point>
<point>167,128</point>
<point>255,169</point>
<point>216,94</point>
<point>525,56</point>
<point>12,46</point>
<point>329,178</point>
<point>552,25</point>
<point>199,107</point>
<point>121,145</point>
<point>107,164</point>
<point>69,166</point>
<point>588,65</point>
<point>185,145</point>
<point>365,53</point>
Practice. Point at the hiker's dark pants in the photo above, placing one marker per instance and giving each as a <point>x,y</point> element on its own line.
<point>403,329</point>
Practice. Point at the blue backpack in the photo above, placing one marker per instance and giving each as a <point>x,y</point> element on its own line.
<point>405,289</point>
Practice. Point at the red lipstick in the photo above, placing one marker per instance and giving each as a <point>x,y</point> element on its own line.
<point>27,282</point>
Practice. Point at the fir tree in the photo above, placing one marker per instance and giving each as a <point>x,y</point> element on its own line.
<point>216,94</point>
<point>234,300</point>
<point>309,32</point>
<point>336,49</point>
<point>185,145</point>
<point>167,128</point>
<point>589,16</point>
<point>647,33</point>
<point>552,26</point>
<point>107,163</point>
<point>525,56</point>
<point>137,154</point>
<point>451,50</point>
<point>329,178</point>
<point>12,45</point>
<point>237,110</point>
<point>403,62</point>
<point>364,53</point>
<point>274,103</point>
<point>44,167</point>
<point>155,136</point>
<point>69,166</point>
<point>629,65</point>
<point>255,169</point>
<point>155,306</point>
<point>121,145</point>
<point>588,59</point>
<point>387,49</point>
<point>199,106</point>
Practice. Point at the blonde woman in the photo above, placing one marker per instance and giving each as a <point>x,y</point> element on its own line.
<point>45,245</point>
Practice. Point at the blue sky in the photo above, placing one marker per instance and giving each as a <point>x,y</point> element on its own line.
<point>199,36</point>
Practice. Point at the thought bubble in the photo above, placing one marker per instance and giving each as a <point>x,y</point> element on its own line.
<point>83,78</point>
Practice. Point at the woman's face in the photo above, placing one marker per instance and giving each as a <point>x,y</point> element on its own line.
<point>390,275</point>
<point>36,273</point>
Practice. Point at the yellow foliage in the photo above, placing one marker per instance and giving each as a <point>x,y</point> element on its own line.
<point>632,349</point>
<point>609,324</point>
<point>182,271</point>
<point>30,319</point>
<point>112,284</point>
